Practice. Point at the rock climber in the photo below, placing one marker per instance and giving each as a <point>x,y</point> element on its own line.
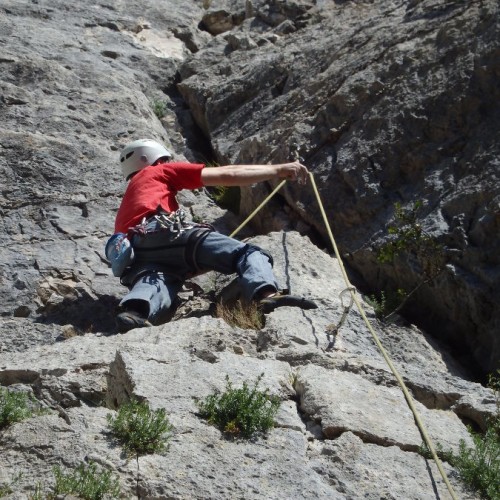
<point>164,249</point>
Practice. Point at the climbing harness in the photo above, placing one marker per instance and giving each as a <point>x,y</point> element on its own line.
<point>375,337</point>
<point>179,240</point>
<point>175,222</point>
<point>119,250</point>
<point>167,238</point>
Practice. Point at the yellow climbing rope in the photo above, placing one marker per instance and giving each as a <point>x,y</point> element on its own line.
<point>351,289</point>
<point>250,217</point>
<point>401,383</point>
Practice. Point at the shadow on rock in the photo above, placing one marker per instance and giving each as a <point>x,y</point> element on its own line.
<point>85,314</point>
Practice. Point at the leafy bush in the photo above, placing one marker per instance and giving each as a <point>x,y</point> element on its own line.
<point>140,429</point>
<point>406,235</point>
<point>385,303</point>
<point>479,465</point>
<point>159,108</point>
<point>38,493</point>
<point>87,482</point>
<point>6,489</point>
<point>241,412</point>
<point>14,407</point>
<point>227,197</point>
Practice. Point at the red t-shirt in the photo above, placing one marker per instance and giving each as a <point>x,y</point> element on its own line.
<point>155,186</point>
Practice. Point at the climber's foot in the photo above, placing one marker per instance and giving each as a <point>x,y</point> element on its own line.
<point>129,319</point>
<point>279,299</point>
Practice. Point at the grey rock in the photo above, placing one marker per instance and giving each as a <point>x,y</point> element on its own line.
<point>376,414</point>
<point>377,123</point>
<point>353,466</point>
<point>342,390</point>
<point>392,102</point>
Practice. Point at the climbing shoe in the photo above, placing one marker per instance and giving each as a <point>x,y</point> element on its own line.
<point>127,320</point>
<point>269,304</point>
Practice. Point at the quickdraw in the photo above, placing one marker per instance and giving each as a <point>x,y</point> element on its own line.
<point>332,330</point>
<point>175,222</point>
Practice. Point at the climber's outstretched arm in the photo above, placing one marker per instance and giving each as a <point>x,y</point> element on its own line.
<point>245,175</point>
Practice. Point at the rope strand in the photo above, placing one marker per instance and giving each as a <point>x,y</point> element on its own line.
<point>244,223</point>
<point>399,379</point>
<point>376,339</point>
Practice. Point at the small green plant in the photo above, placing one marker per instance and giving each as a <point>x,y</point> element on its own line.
<point>140,429</point>
<point>241,314</point>
<point>241,412</point>
<point>87,482</point>
<point>227,197</point>
<point>479,465</point>
<point>6,489</point>
<point>15,406</point>
<point>386,303</point>
<point>408,236</point>
<point>38,493</point>
<point>494,385</point>
<point>159,108</point>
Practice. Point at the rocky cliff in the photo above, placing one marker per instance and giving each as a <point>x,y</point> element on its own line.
<point>392,102</point>
<point>386,103</point>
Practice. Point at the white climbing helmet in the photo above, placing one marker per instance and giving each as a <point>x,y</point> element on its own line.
<point>140,154</point>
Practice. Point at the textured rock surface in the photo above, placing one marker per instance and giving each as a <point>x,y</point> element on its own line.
<point>392,102</point>
<point>341,409</point>
<point>387,103</point>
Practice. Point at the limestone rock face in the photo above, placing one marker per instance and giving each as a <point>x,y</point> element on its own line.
<point>342,418</point>
<point>386,102</point>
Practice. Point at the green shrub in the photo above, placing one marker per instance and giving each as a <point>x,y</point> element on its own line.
<point>494,385</point>
<point>227,197</point>
<point>6,489</point>
<point>38,493</point>
<point>241,412</point>
<point>385,303</point>
<point>159,108</point>
<point>140,429</point>
<point>14,407</point>
<point>87,482</point>
<point>479,465</point>
<point>406,235</point>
